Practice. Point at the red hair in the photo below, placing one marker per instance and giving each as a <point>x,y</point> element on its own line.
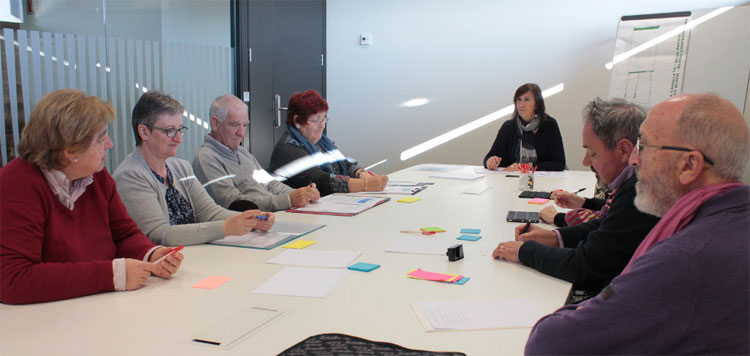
<point>303,105</point>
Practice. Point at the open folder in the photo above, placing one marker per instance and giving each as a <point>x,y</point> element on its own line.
<point>281,233</point>
<point>341,205</point>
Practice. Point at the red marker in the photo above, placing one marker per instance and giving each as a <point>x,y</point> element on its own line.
<point>169,253</point>
<point>534,171</point>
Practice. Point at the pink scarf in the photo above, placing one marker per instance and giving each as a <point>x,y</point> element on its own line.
<point>680,216</point>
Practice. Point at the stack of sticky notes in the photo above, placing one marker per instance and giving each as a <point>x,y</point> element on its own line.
<point>431,230</point>
<point>437,277</point>
<point>474,235</point>
<point>538,201</point>
<point>408,200</point>
<point>363,267</point>
<point>299,244</point>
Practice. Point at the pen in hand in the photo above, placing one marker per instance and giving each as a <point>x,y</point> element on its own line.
<point>169,253</point>
<point>261,217</point>
<point>579,190</point>
<point>525,228</point>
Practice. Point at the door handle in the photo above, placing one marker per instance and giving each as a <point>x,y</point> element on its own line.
<point>277,110</point>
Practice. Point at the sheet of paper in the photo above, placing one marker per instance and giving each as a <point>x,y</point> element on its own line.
<point>281,232</point>
<point>477,314</point>
<point>482,170</point>
<point>299,244</point>
<point>341,204</point>
<point>476,189</point>
<point>457,175</point>
<point>402,189</point>
<point>303,282</point>
<point>231,331</point>
<point>438,167</point>
<point>421,245</point>
<point>315,258</point>
<point>552,174</point>
<point>211,282</point>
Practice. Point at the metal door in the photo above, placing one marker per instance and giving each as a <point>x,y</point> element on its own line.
<point>285,48</point>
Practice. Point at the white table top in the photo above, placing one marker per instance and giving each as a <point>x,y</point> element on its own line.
<point>162,317</point>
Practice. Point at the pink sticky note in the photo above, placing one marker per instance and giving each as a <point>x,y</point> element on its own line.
<point>432,276</point>
<point>538,201</point>
<point>211,282</point>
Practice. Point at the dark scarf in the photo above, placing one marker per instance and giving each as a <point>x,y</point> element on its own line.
<point>325,143</point>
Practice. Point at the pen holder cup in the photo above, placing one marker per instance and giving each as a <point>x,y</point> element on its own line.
<point>526,181</point>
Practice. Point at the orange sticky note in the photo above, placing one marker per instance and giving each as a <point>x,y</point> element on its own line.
<point>211,282</point>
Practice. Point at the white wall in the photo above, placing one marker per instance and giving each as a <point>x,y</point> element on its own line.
<point>467,57</point>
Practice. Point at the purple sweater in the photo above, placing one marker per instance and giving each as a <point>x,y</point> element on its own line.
<point>688,294</point>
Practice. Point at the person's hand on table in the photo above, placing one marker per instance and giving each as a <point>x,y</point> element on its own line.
<point>316,193</point>
<point>567,200</point>
<point>375,183</point>
<point>538,234</point>
<point>302,196</point>
<point>507,250</point>
<point>548,215</point>
<point>266,225</point>
<point>241,223</point>
<point>137,273</point>
<point>168,266</point>
<point>493,162</point>
<point>513,168</point>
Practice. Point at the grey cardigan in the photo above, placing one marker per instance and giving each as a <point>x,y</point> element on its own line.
<point>215,160</point>
<point>144,198</point>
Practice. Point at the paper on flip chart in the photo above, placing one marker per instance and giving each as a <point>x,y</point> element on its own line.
<point>303,282</point>
<point>316,258</point>
<point>420,245</point>
<point>477,314</point>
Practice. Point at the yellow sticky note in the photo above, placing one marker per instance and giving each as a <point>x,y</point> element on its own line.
<point>408,200</point>
<point>298,244</point>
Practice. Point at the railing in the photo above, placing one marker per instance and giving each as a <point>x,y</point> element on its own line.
<point>118,70</point>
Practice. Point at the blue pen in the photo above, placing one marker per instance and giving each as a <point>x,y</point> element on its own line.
<point>261,217</point>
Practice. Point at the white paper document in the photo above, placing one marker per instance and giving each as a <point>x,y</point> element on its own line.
<point>476,189</point>
<point>316,258</point>
<point>459,175</point>
<point>303,282</point>
<point>421,245</point>
<point>281,232</point>
<point>477,314</point>
<point>482,170</point>
<point>231,331</point>
<point>341,204</point>
<point>438,167</point>
<point>553,174</point>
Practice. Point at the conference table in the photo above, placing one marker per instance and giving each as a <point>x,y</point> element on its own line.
<point>163,317</point>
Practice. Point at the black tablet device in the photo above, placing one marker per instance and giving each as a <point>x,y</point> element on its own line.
<point>523,216</point>
<point>530,194</point>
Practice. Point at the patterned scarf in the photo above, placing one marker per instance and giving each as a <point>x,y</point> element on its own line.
<point>526,150</point>
<point>325,143</point>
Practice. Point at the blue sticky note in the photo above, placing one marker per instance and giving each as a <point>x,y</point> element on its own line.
<point>363,267</point>
<point>364,201</point>
<point>469,237</point>
<point>462,281</point>
<point>471,231</point>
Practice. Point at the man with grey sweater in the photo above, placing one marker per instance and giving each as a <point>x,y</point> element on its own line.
<point>231,172</point>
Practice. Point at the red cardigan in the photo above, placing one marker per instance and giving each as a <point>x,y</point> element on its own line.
<point>48,252</point>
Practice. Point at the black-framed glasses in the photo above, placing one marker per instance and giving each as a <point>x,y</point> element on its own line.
<point>639,146</point>
<point>171,132</point>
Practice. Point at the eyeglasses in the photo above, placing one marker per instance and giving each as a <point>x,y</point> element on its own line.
<point>639,147</point>
<point>318,120</point>
<point>171,132</point>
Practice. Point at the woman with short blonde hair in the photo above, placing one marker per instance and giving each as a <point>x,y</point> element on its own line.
<point>65,231</point>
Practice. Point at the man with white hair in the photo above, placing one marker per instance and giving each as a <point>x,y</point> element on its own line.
<point>228,169</point>
<point>686,290</point>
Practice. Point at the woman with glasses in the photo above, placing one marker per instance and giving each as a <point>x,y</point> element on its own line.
<point>530,136</point>
<point>161,192</point>
<point>304,155</point>
<point>64,231</point>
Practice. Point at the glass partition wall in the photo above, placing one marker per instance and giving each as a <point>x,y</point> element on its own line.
<point>117,50</point>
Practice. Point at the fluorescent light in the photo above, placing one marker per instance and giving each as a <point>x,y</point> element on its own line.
<point>484,120</point>
<point>415,102</point>
<point>667,35</point>
<point>376,164</point>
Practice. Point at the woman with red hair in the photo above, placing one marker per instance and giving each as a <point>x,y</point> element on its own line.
<point>304,155</point>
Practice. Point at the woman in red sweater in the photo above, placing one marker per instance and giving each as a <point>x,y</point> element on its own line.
<point>64,232</point>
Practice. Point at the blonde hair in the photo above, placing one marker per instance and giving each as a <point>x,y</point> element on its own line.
<point>65,119</point>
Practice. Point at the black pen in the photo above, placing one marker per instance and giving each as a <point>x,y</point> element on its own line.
<point>579,190</point>
<point>526,228</point>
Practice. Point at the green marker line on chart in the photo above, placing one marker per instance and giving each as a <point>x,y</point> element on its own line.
<point>641,71</point>
<point>646,28</point>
